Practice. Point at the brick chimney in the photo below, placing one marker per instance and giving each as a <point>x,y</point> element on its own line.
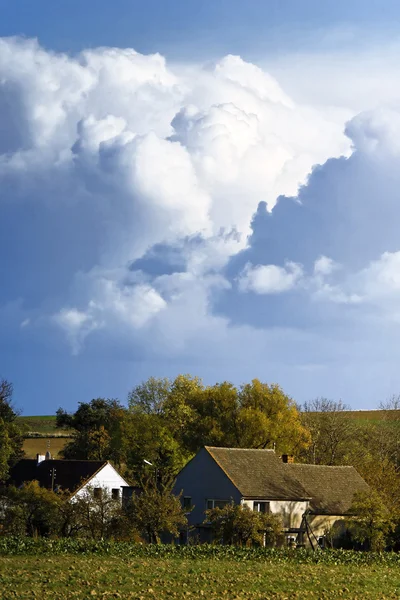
<point>287,458</point>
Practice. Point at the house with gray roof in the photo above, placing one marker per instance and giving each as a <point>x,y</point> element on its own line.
<point>266,482</point>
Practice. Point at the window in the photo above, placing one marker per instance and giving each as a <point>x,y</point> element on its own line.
<point>115,493</point>
<point>216,503</point>
<point>262,507</point>
<point>187,502</point>
<point>97,492</point>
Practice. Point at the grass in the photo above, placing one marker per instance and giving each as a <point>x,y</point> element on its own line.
<point>34,446</point>
<point>70,576</point>
<point>41,424</point>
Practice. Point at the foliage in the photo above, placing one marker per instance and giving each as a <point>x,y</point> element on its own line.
<point>97,430</point>
<point>36,511</point>
<point>256,415</point>
<point>25,546</point>
<point>146,437</point>
<point>371,522</point>
<point>238,525</point>
<point>11,439</point>
<point>156,511</point>
<point>97,515</point>
<point>168,576</point>
<point>30,510</point>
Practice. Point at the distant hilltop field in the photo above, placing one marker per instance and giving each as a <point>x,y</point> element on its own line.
<point>41,433</point>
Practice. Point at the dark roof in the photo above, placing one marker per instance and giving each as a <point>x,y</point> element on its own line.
<point>331,488</point>
<point>69,474</point>
<point>258,473</point>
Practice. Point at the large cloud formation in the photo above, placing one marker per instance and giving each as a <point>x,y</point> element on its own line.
<point>177,210</point>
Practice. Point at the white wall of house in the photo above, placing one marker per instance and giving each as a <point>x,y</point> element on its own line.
<point>320,524</point>
<point>107,478</point>
<point>291,511</point>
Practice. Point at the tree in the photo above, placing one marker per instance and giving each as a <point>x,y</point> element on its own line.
<point>256,415</point>
<point>156,511</point>
<point>332,432</point>
<point>146,437</point>
<point>238,525</point>
<point>371,522</point>
<point>31,510</point>
<point>267,417</point>
<point>97,515</point>
<point>97,430</point>
<point>150,396</point>
<point>11,439</point>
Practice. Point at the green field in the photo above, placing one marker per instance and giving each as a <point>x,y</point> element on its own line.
<point>41,424</point>
<point>71,576</point>
<point>47,436</point>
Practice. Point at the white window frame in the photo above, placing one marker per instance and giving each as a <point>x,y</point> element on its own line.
<point>256,506</point>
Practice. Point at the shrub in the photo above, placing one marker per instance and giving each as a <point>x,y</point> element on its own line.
<point>238,525</point>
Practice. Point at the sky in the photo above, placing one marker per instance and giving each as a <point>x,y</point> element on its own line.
<point>202,187</point>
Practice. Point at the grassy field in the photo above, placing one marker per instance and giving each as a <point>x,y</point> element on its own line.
<point>34,446</point>
<point>45,427</point>
<point>71,576</point>
<point>41,424</point>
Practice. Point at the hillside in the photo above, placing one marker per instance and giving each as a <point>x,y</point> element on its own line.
<point>41,435</point>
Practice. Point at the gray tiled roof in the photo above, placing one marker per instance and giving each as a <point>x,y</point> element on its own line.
<point>331,488</point>
<point>258,473</point>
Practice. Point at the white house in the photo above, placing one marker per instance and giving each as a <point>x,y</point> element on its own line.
<point>267,483</point>
<point>73,475</point>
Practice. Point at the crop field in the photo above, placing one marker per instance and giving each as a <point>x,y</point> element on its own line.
<point>72,576</point>
<point>34,446</point>
<point>68,568</point>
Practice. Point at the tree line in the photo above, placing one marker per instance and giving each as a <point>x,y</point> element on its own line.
<point>165,422</point>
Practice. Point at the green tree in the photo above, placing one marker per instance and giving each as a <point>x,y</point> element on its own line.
<point>97,430</point>
<point>238,525</point>
<point>11,439</point>
<point>30,510</point>
<point>150,396</point>
<point>268,416</point>
<point>156,511</point>
<point>146,437</point>
<point>371,522</point>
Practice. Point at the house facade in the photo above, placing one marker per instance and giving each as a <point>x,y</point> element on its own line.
<point>304,496</point>
<point>77,476</point>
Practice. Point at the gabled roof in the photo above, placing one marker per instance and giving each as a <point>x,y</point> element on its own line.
<point>69,474</point>
<point>258,473</point>
<point>331,488</point>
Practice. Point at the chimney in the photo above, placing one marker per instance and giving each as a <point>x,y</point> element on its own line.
<point>48,455</point>
<point>40,458</point>
<point>287,458</point>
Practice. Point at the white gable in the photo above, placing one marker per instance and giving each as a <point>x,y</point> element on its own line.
<point>107,477</point>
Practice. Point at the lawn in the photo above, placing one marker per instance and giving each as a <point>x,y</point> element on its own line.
<point>70,576</point>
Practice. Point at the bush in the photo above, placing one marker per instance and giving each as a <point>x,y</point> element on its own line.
<point>238,525</point>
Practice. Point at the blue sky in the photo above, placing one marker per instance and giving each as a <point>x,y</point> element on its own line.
<point>199,187</point>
